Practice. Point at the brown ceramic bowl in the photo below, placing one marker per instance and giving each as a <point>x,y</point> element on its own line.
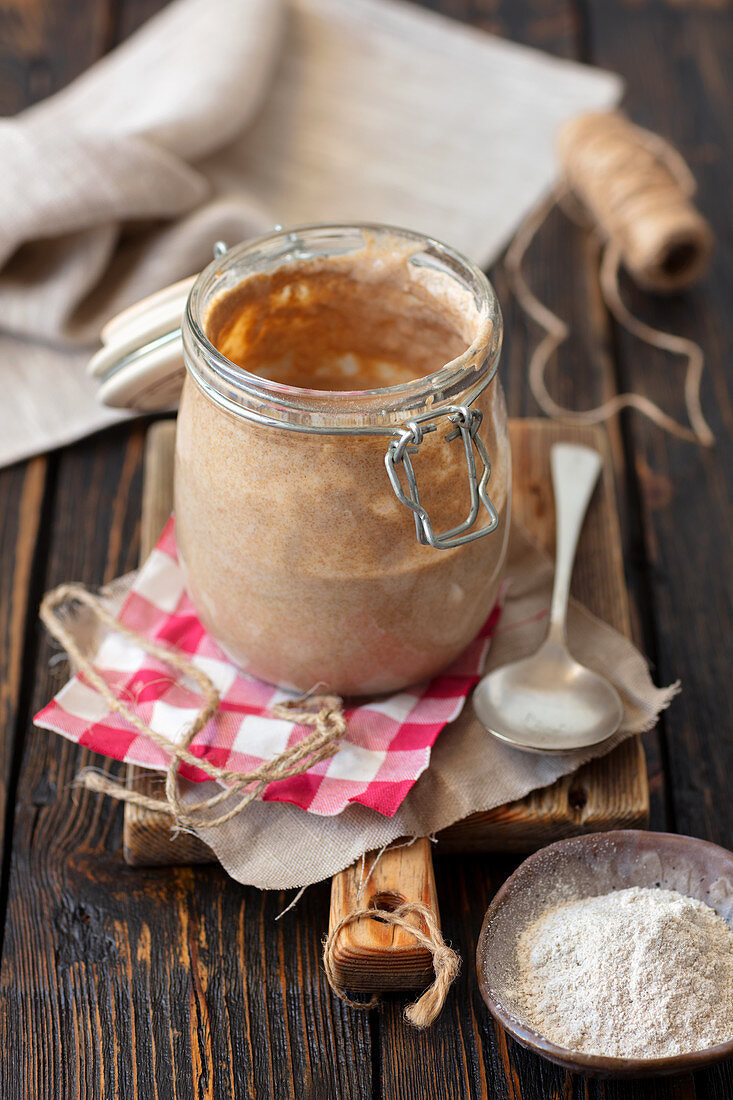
<point>582,867</point>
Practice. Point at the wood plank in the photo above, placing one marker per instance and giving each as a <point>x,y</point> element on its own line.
<point>21,499</point>
<point>49,924</point>
<point>31,66</point>
<point>44,46</point>
<point>686,495</point>
<point>563,269</point>
<point>562,266</point>
<point>656,46</point>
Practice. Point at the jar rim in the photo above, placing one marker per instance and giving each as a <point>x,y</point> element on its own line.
<point>259,398</point>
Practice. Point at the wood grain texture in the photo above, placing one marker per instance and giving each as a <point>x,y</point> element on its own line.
<point>32,65</point>
<point>21,499</point>
<point>370,955</point>
<point>562,267</point>
<point>686,494</point>
<point>43,46</point>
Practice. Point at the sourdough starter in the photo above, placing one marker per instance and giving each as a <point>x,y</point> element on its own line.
<point>297,554</point>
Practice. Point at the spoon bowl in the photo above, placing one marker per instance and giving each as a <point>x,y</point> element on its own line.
<point>548,702</point>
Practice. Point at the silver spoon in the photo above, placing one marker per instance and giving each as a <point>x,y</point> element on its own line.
<point>549,702</point>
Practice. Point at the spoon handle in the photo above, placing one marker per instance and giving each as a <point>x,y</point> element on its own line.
<point>575,471</point>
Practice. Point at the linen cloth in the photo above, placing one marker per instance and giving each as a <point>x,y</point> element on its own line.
<point>275,845</point>
<point>385,748</point>
<point>219,118</point>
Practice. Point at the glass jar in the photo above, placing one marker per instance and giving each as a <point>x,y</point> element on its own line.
<point>351,539</point>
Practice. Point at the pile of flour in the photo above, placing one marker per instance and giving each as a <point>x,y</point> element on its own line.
<point>638,973</point>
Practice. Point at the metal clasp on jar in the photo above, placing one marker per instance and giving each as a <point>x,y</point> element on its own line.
<point>466,424</point>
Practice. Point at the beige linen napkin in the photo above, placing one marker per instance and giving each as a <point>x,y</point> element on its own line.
<point>220,118</point>
<point>275,845</point>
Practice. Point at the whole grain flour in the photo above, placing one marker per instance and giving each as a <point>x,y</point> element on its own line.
<point>636,973</point>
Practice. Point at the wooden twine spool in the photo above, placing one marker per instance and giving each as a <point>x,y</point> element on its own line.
<point>638,191</point>
<point>635,191</point>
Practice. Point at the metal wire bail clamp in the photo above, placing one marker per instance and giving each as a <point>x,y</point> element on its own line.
<point>466,424</point>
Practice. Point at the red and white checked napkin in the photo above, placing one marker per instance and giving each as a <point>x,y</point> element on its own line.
<point>386,746</point>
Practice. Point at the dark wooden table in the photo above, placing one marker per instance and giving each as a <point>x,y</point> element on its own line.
<point>178,983</point>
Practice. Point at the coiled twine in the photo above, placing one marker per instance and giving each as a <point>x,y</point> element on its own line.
<point>634,190</point>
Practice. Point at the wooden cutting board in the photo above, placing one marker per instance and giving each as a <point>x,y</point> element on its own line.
<point>608,793</point>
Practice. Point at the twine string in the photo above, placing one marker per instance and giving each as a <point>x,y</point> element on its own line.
<point>324,713</point>
<point>446,962</point>
<point>636,189</point>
